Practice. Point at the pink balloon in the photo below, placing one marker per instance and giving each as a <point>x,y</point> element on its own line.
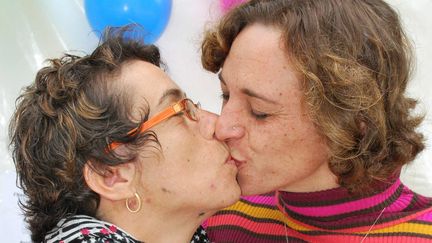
<point>227,5</point>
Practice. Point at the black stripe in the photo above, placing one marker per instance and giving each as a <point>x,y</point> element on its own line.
<point>412,203</point>
<point>395,234</point>
<point>256,204</point>
<point>416,221</point>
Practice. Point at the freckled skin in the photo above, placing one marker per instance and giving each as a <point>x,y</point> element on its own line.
<point>281,141</point>
<point>177,176</point>
<point>165,190</point>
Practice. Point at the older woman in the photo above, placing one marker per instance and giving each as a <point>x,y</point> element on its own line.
<point>314,108</point>
<point>109,149</point>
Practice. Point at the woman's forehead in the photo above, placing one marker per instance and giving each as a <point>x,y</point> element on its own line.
<point>145,80</point>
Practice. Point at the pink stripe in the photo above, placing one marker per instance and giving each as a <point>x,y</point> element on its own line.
<point>427,216</point>
<point>268,200</point>
<point>323,211</point>
<point>368,239</point>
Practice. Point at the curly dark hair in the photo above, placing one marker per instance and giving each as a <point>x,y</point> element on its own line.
<point>355,61</point>
<point>67,117</point>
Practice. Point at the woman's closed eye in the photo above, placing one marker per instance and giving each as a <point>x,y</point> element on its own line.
<point>224,96</point>
<point>258,115</point>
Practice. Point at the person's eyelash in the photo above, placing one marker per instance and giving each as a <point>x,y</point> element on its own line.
<point>259,115</point>
<point>224,96</point>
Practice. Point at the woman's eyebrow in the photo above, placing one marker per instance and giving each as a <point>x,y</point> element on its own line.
<point>221,78</point>
<point>172,93</point>
<point>249,92</point>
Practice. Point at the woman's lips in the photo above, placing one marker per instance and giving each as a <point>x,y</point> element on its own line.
<point>232,161</point>
<point>237,162</point>
<point>229,160</point>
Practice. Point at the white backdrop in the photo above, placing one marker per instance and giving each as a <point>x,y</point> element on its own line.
<point>33,30</point>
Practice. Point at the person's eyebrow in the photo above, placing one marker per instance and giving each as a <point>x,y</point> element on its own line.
<point>249,92</point>
<point>172,94</point>
<point>221,78</point>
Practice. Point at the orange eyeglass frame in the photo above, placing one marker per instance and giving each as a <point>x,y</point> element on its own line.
<point>163,115</point>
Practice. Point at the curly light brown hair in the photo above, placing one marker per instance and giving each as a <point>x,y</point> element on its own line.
<point>67,117</point>
<point>355,61</point>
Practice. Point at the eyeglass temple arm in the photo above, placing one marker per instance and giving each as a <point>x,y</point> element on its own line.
<point>170,111</point>
<point>152,121</point>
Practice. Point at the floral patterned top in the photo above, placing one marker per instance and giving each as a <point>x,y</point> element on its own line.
<point>86,229</point>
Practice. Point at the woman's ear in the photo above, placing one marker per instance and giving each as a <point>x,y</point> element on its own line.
<point>111,182</point>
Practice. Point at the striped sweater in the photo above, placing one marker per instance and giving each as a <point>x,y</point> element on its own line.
<point>395,214</point>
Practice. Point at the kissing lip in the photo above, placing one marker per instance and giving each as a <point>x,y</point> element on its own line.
<point>238,163</point>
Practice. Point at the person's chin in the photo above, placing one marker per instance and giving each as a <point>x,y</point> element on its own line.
<point>249,188</point>
<point>229,199</point>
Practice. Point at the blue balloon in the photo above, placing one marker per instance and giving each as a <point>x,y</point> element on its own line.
<point>152,15</point>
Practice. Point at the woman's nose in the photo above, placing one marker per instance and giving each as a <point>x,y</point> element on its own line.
<point>228,128</point>
<point>207,124</point>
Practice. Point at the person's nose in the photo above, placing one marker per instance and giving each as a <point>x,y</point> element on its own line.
<point>207,124</point>
<point>228,126</point>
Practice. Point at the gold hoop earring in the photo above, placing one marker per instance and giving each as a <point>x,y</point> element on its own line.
<point>138,198</point>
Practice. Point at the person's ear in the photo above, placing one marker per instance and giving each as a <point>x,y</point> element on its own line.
<point>111,182</point>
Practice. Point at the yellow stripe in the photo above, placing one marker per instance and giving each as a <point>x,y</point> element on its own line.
<point>406,228</point>
<point>265,213</point>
